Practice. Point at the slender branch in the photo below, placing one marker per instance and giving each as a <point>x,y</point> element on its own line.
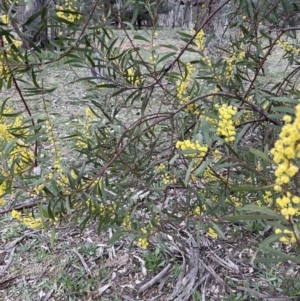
<point>31,118</point>
<point>21,207</point>
<point>167,69</point>
<point>260,66</point>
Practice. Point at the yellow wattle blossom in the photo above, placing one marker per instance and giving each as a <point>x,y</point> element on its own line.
<point>133,78</point>
<point>143,243</point>
<point>200,150</point>
<point>199,39</point>
<point>6,58</point>
<point>127,223</point>
<point>286,150</point>
<point>211,233</point>
<point>16,215</point>
<point>29,221</point>
<point>182,92</point>
<point>289,236</point>
<point>226,126</point>
<point>183,84</point>
<point>199,210</point>
<point>68,6</point>
<point>5,19</point>
<point>167,178</point>
<point>286,153</point>
<point>287,47</point>
<point>231,61</point>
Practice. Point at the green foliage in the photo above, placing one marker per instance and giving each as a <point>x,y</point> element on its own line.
<point>154,260</point>
<point>170,134</point>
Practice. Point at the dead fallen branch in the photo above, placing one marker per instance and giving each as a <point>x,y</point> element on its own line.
<point>2,271</point>
<point>155,279</point>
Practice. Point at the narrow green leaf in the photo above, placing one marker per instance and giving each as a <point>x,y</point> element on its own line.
<point>52,237</point>
<point>188,173</point>
<point>272,238</point>
<point>265,210</point>
<point>218,230</point>
<point>260,154</point>
<point>172,161</point>
<point>138,37</point>
<point>202,167</point>
<point>245,217</point>
<point>240,135</point>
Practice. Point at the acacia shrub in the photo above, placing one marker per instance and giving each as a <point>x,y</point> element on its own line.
<point>171,137</point>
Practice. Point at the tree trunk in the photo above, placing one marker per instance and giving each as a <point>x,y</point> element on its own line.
<point>36,31</point>
<point>176,14</point>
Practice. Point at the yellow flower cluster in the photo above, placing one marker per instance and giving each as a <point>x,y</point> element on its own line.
<point>199,210</point>
<point>287,47</point>
<point>225,125</point>
<point>21,156</point>
<point>30,221</point>
<point>127,223</point>
<point>211,233</point>
<point>199,153</point>
<point>133,78</point>
<point>268,198</point>
<point>167,178</point>
<point>199,39</point>
<point>288,205</point>
<point>184,82</point>
<point>5,19</point>
<point>161,167</point>
<point>89,116</point>
<point>236,201</point>
<point>231,62</point>
<point>107,210</point>
<point>286,149</point>
<point>288,237</point>
<point>143,242</point>
<point>181,90</point>
<point>2,191</point>
<point>153,58</point>
<point>5,58</point>
<point>67,6</point>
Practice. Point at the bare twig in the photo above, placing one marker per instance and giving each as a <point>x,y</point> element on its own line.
<point>83,262</point>
<point>21,207</point>
<point>155,279</point>
<point>8,262</point>
<point>263,296</point>
<point>47,297</point>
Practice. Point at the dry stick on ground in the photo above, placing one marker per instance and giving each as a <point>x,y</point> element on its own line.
<point>263,296</point>
<point>8,262</point>
<point>83,262</point>
<point>47,297</point>
<point>155,279</point>
<point>13,243</point>
<point>188,283</point>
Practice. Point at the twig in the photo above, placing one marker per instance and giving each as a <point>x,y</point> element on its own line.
<point>155,279</point>
<point>47,297</point>
<point>260,295</point>
<point>7,282</point>
<point>83,262</point>
<point>8,262</point>
<point>20,207</point>
<point>13,243</point>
